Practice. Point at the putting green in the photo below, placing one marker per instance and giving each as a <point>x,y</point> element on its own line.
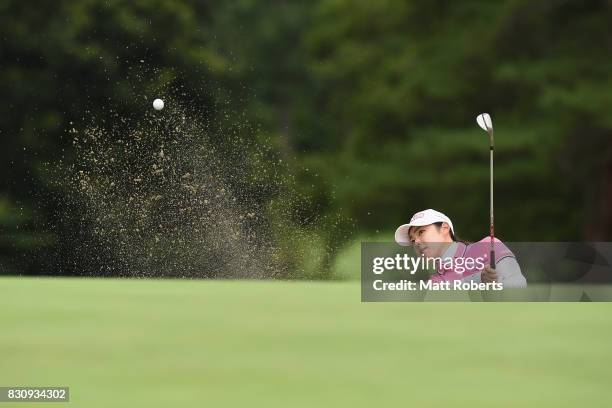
<point>161,343</point>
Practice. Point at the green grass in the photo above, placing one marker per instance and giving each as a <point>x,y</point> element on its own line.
<point>347,265</point>
<point>162,343</point>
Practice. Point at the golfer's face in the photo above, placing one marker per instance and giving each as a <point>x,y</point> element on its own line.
<point>426,240</point>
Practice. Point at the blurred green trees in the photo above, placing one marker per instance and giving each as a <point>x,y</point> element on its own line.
<point>408,79</point>
<point>62,63</point>
<point>371,104</point>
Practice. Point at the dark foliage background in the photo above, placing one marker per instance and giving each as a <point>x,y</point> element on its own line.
<point>370,104</point>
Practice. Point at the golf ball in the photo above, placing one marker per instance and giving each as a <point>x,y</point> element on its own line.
<point>158,104</point>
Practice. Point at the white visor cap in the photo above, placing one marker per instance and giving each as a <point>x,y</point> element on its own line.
<point>425,217</point>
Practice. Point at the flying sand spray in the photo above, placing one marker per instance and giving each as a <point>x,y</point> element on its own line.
<point>182,194</point>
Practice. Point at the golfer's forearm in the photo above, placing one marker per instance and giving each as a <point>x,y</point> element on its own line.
<point>509,273</point>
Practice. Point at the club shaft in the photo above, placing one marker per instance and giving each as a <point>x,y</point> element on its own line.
<point>492,223</point>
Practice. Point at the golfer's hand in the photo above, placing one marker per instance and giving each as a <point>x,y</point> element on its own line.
<point>488,275</point>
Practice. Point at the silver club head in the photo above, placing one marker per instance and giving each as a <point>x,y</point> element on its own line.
<point>484,121</point>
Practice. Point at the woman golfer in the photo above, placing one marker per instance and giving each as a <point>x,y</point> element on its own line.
<point>432,234</point>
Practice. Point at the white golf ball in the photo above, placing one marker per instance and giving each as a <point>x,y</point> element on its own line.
<point>158,104</point>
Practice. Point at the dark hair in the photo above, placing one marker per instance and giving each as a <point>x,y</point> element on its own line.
<point>452,234</point>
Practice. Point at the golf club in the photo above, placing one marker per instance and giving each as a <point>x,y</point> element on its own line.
<point>484,121</point>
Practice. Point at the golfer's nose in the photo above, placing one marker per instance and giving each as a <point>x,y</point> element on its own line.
<point>417,244</point>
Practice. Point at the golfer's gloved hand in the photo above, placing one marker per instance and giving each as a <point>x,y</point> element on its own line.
<point>488,275</point>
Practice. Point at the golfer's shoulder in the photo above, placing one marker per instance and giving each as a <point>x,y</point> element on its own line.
<point>487,241</point>
<point>484,246</point>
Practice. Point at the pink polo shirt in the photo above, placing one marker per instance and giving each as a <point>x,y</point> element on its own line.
<point>475,250</point>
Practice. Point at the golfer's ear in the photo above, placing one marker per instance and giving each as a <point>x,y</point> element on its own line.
<point>445,226</point>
